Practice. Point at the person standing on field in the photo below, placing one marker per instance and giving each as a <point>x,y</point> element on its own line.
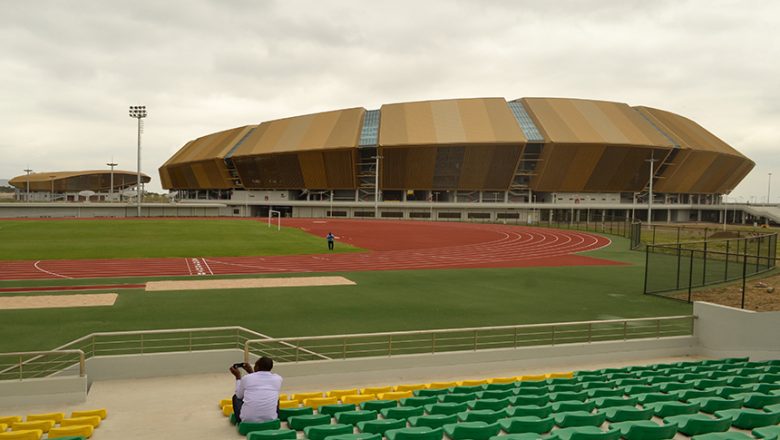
<point>331,238</point>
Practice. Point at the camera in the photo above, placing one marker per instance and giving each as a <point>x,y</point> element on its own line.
<point>238,365</point>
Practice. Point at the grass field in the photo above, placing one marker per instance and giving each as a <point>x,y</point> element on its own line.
<point>80,239</point>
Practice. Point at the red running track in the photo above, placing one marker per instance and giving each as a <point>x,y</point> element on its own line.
<point>391,245</point>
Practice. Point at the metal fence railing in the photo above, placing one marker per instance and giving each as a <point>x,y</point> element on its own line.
<point>37,364</point>
<point>299,349</point>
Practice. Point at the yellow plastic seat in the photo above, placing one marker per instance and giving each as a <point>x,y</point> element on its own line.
<point>376,390</point>
<point>48,416</point>
<point>227,410</point>
<point>283,397</point>
<point>411,387</point>
<point>76,430</point>
<point>24,434</point>
<point>396,395</point>
<point>42,425</point>
<point>288,404</point>
<point>316,402</point>
<point>224,402</point>
<point>300,397</point>
<point>3,427</point>
<point>358,398</point>
<point>340,393</point>
<point>502,380</point>
<point>100,412</point>
<point>566,375</point>
<point>440,385</point>
<point>472,383</point>
<point>93,421</point>
<point>8,420</point>
<point>532,377</point>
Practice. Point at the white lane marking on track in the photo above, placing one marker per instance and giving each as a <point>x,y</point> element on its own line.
<point>50,273</point>
<point>205,263</point>
<point>198,267</point>
<point>186,260</point>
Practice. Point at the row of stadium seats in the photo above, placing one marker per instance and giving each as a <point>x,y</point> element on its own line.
<point>79,426</point>
<point>724,398</point>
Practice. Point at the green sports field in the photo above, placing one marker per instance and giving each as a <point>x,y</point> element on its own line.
<point>381,300</point>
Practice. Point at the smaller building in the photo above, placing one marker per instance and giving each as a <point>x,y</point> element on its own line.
<point>74,186</point>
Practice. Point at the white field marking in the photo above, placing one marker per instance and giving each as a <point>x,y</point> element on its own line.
<point>319,221</point>
<point>251,266</point>
<point>198,267</point>
<point>205,263</point>
<point>186,260</point>
<point>57,301</point>
<point>247,283</point>
<point>50,273</point>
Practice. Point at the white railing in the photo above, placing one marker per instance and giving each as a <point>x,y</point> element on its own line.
<point>35,364</point>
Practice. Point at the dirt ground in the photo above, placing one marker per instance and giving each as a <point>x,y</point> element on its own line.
<point>54,301</point>
<point>757,295</point>
<point>246,283</point>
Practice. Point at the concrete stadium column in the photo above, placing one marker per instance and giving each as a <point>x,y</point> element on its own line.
<point>668,216</point>
<point>698,214</point>
<point>506,196</point>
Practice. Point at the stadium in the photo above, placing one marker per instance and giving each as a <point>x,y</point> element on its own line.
<point>72,186</point>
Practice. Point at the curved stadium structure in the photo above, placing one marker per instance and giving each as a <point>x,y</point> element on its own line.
<point>67,184</point>
<point>467,151</point>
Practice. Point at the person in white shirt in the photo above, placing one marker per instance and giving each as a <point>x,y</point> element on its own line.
<point>257,393</point>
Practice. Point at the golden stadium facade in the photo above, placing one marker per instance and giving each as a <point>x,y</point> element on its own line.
<point>513,150</point>
<point>67,184</point>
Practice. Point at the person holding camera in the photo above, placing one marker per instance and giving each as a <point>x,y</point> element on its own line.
<point>257,393</point>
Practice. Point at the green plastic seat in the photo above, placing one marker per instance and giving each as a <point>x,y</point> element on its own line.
<point>573,405</point>
<point>361,436</point>
<point>767,432</point>
<point>649,398</point>
<point>467,389</point>
<point>472,430</point>
<point>431,392</point>
<point>402,412</point>
<point>321,432</point>
<point>587,433</point>
<point>675,386</point>
<point>736,360</point>
<point>645,430</point>
<point>286,413</point>
<point>598,384</point>
<point>494,404</point>
<point>667,409</point>
<point>633,390</point>
<point>529,400</point>
<point>658,380</point>
<point>245,428</point>
<point>378,405</point>
<point>766,388</point>
<point>380,426</point>
<point>619,414</point>
<point>418,401</point>
<point>273,434</point>
<point>446,408</point>
<point>532,384</point>
<point>299,423</point>
<point>758,400</point>
<point>630,381</point>
<point>579,418</point>
<point>750,372</point>
<point>750,418</point>
<point>772,408</point>
<point>420,433</point>
<point>565,387</point>
<point>723,436</point>
<point>711,404</point>
<point>687,395</point>
<point>621,375</point>
<point>530,391</point>
<point>696,424</point>
<point>728,391</point>
<point>516,425</point>
<point>703,384</point>
<point>457,397</point>
<point>540,411</point>
<point>524,436</point>
<point>609,402</point>
<point>353,417</point>
<point>562,381</point>
<point>612,370</point>
<point>569,395</point>
<point>495,394</point>
<point>332,410</point>
<point>233,419</point>
<point>737,381</point>
<point>500,386</point>
<point>432,420</point>
<point>482,415</point>
<point>595,393</point>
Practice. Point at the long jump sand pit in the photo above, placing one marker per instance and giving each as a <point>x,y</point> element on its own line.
<point>57,301</point>
<point>247,283</point>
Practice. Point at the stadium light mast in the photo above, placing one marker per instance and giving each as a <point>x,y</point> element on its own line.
<point>28,171</point>
<point>769,189</point>
<point>376,185</point>
<point>112,164</point>
<point>138,112</point>
<point>652,160</point>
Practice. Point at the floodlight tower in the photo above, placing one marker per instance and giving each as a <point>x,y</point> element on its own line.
<point>652,160</point>
<point>138,112</point>
<point>376,184</point>
<point>28,171</point>
<point>112,164</point>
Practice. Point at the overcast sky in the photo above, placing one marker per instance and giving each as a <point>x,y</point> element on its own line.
<point>69,69</point>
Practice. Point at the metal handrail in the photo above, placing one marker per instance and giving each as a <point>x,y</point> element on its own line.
<point>37,355</point>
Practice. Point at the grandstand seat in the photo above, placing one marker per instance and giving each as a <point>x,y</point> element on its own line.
<point>233,420</point>
<point>578,418</point>
<point>300,397</point>
<point>728,391</point>
<point>298,423</point>
<point>420,433</point>
<point>703,384</point>
<point>358,398</point>
<point>670,387</point>
<point>711,404</point>
<point>376,390</point>
<point>617,414</point>
<point>227,410</point>
<point>608,402</point>
<point>766,388</point>
<point>724,436</point>
<point>321,432</point>
<point>432,420</point>
<point>100,412</point>
<point>378,405</point>
<point>360,436</point>
<point>532,384</point>
<point>524,436</point>
<point>667,409</point>
<point>605,392</point>
<point>410,387</point>
<point>530,410</point>
<point>531,391</point>
<point>224,402</point>
<point>633,390</point>
<point>24,434</point>
<point>446,408</point>
<point>772,408</point>
<point>587,433</point>
<point>286,413</point>
<point>501,380</point>
<point>538,425</point>
<point>316,402</point>
<point>395,395</point>
<point>650,398</point>
<point>42,425</point>
<point>531,399</point>
<point>569,395</point>
<point>495,394</point>
<point>687,395</point>
<point>341,393</point>
<point>531,378</point>
<point>48,416</point>
<point>333,409</point>
<point>93,421</point>
<point>353,417</point>
<point>431,392</point>
<point>245,428</point>
<point>557,388</point>
<point>441,385</point>
<point>273,434</point>
<point>457,397</point>
<point>696,424</point>
<point>10,420</point>
<point>767,432</point>
<point>494,404</point>
<point>471,430</point>
<point>380,426</point>
<point>750,418</point>
<point>471,383</point>
<point>561,375</point>
<point>482,415</point>
<point>467,389</point>
<point>645,430</point>
<point>573,405</point>
<point>286,404</point>
<point>70,437</point>
<point>630,381</point>
<point>758,400</point>
<point>418,401</point>
<point>736,381</point>
<point>402,412</point>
